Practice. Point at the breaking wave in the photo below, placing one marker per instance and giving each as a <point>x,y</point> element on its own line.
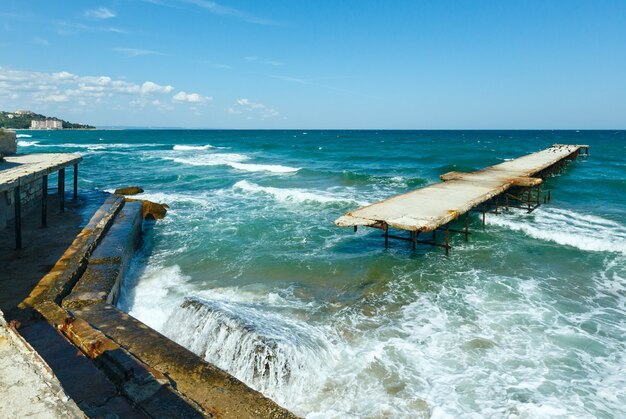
<point>290,195</point>
<point>233,160</point>
<point>25,143</point>
<point>568,228</point>
<point>276,355</point>
<point>23,136</point>
<point>179,147</point>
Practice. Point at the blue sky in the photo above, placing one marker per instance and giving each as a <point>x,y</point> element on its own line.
<point>423,64</point>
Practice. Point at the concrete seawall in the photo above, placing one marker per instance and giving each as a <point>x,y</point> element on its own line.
<point>161,378</point>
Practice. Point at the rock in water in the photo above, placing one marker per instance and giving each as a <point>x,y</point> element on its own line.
<point>131,190</point>
<point>151,210</point>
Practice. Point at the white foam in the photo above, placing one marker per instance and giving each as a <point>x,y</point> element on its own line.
<point>152,295</point>
<point>25,143</point>
<point>23,136</point>
<point>180,147</point>
<point>273,168</point>
<point>277,355</point>
<point>233,160</point>
<point>290,195</point>
<point>568,228</point>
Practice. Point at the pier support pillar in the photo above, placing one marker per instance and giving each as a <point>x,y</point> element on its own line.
<point>447,238</point>
<point>75,181</point>
<point>61,190</point>
<point>386,235</point>
<point>44,201</point>
<point>483,216</point>
<point>467,226</point>
<point>18,217</point>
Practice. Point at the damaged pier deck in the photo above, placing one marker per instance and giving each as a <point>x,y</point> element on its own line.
<point>515,183</point>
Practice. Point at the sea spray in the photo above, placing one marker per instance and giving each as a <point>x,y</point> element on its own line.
<point>278,356</point>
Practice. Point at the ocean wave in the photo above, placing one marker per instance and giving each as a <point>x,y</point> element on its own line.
<point>23,136</point>
<point>179,147</point>
<point>277,355</point>
<point>568,228</point>
<point>25,143</point>
<point>233,160</point>
<point>144,286</point>
<point>290,195</point>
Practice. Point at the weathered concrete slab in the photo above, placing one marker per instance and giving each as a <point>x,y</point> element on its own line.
<point>215,390</point>
<point>107,265</point>
<point>24,168</point>
<point>58,282</point>
<point>87,385</point>
<point>28,387</point>
<point>431,207</point>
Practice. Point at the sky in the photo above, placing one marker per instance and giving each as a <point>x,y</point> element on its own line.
<point>323,64</point>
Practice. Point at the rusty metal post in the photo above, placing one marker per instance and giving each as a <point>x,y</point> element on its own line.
<point>467,226</point>
<point>483,216</point>
<point>61,190</point>
<point>538,194</point>
<point>386,235</point>
<point>413,239</point>
<point>447,237</point>
<point>44,201</point>
<point>75,181</point>
<point>18,217</point>
<point>506,201</point>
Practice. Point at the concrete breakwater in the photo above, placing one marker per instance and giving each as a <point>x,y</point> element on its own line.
<point>156,376</point>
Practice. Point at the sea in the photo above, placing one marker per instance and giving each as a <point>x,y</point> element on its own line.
<point>247,270</point>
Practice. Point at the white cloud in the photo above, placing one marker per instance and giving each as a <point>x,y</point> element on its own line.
<point>218,9</point>
<point>253,108</point>
<point>136,52</point>
<point>150,87</point>
<point>35,88</point>
<point>100,13</point>
<point>190,97</point>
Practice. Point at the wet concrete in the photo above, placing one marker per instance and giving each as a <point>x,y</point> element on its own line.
<point>108,263</point>
<point>217,391</point>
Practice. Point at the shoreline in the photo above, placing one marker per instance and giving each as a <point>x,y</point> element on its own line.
<point>77,298</point>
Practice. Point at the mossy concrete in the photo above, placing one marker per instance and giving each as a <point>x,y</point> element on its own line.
<point>108,263</point>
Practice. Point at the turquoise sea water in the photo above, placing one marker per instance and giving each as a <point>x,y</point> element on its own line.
<point>248,270</point>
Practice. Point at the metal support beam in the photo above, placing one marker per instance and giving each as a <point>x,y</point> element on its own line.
<point>61,189</point>
<point>44,201</point>
<point>18,217</point>
<point>386,235</point>
<point>447,238</point>
<point>75,181</point>
<point>483,215</point>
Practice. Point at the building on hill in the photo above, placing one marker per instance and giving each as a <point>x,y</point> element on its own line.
<point>46,124</point>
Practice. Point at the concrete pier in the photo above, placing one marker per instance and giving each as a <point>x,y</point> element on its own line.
<point>428,209</point>
<point>24,181</point>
